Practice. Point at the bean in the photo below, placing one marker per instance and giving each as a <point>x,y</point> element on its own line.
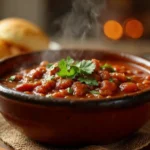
<point>120,76</point>
<point>60,94</point>
<point>107,85</point>
<point>64,83</point>
<point>25,87</point>
<point>97,64</point>
<point>105,75</point>
<point>79,89</point>
<point>128,87</point>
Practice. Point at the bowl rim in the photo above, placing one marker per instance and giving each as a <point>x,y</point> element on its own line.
<point>128,100</point>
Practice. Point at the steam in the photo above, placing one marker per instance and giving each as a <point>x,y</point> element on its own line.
<point>82,22</point>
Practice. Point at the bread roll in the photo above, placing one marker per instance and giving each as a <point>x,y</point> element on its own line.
<point>4,51</point>
<point>21,33</point>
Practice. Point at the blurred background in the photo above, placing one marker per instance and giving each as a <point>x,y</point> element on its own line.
<point>41,12</point>
<point>128,16</point>
<point>102,20</point>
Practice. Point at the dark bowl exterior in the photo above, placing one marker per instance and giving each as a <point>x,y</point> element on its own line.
<point>71,123</point>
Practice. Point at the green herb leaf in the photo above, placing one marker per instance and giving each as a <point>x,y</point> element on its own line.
<point>69,61</point>
<point>88,81</point>
<point>12,78</point>
<point>64,71</point>
<point>86,66</point>
<point>49,65</point>
<point>94,92</point>
<point>69,68</point>
<point>107,67</point>
<point>111,80</point>
<point>69,90</point>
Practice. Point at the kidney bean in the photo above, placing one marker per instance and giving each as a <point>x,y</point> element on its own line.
<point>41,89</point>
<point>97,64</point>
<point>120,76</point>
<point>128,87</point>
<point>136,78</point>
<point>54,71</point>
<point>79,89</point>
<point>105,75</point>
<point>64,83</point>
<point>60,94</point>
<point>107,85</point>
<point>45,87</point>
<point>106,92</point>
<point>25,87</point>
<point>41,69</point>
<point>49,84</point>
<point>36,73</point>
<point>119,69</point>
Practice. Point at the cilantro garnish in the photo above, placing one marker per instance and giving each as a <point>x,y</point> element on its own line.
<point>49,65</point>
<point>94,92</point>
<point>86,66</point>
<point>66,70</point>
<point>111,80</point>
<point>69,90</point>
<point>69,62</point>
<point>69,68</point>
<point>108,67</point>
<point>12,78</point>
<point>88,81</point>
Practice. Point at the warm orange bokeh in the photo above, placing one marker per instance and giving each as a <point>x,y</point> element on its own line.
<point>113,30</point>
<point>133,28</point>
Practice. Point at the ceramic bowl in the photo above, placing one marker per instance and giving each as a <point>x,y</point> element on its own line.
<point>63,122</point>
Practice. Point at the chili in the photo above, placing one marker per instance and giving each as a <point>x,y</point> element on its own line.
<point>79,79</point>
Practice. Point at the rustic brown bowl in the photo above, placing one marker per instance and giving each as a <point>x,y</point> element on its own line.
<point>70,122</point>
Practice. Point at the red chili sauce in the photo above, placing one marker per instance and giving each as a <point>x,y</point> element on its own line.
<point>80,79</point>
